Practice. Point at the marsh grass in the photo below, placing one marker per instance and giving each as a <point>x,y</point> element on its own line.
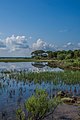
<point>66,77</point>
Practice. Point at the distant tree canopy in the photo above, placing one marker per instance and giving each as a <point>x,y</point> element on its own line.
<point>39,53</point>
<point>60,55</point>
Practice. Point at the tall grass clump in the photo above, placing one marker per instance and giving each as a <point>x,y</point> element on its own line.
<point>67,77</point>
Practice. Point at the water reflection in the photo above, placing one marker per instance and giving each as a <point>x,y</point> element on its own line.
<point>27,66</point>
<point>13,93</point>
<point>39,64</point>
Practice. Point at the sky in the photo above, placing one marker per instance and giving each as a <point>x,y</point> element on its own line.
<point>27,25</point>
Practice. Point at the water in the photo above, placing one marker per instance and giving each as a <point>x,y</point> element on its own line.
<point>14,93</point>
<point>27,66</point>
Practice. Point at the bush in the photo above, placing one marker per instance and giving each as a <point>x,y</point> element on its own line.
<point>38,105</point>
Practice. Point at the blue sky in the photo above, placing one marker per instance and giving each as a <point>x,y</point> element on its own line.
<point>26,25</point>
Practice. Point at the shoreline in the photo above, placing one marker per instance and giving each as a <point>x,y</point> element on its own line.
<point>52,63</point>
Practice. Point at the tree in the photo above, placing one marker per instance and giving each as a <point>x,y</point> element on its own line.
<point>76,53</point>
<point>61,56</point>
<point>38,53</point>
<point>51,54</point>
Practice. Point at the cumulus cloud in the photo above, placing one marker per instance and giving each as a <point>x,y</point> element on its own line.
<point>16,42</point>
<point>40,44</point>
<point>18,46</point>
<point>14,46</point>
<point>69,45</point>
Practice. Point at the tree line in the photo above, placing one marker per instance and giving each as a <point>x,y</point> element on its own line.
<point>60,55</point>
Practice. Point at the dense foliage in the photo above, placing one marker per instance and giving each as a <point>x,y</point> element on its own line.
<point>38,106</point>
<point>61,55</point>
<point>65,59</point>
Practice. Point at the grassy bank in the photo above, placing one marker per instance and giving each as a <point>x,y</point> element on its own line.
<point>73,64</point>
<point>25,60</point>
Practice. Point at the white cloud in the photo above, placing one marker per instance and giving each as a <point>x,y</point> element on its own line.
<point>69,44</point>
<point>16,42</point>
<point>40,44</point>
<point>14,46</point>
<point>18,46</point>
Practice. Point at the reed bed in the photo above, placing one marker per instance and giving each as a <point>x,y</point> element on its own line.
<point>66,77</point>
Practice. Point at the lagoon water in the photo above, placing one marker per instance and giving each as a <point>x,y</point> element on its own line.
<point>27,66</point>
<point>14,93</point>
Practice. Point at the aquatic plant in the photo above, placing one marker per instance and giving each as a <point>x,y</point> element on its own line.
<point>20,114</point>
<point>66,77</point>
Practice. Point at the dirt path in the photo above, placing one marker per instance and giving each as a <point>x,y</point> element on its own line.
<point>65,112</point>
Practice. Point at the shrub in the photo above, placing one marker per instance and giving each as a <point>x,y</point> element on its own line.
<point>38,106</point>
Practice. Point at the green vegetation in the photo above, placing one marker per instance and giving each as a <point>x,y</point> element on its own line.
<point>38,54</point>
<point>63,59</point>
<point>24,60</point>
<point>20,114</point>
<point>57,55</point>
<point>73,64</point>
<point>67,77</point>
<point>38,106</point>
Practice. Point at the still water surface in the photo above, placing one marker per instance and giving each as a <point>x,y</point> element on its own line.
<point>14,93</point>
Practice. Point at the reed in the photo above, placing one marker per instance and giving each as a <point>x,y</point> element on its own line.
<point>67,77</point>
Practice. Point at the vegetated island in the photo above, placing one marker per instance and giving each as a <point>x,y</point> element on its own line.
<point>63,59</point>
